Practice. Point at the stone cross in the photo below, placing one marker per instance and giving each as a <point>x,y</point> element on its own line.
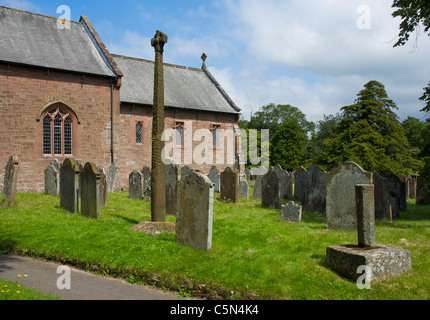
<point>365,204</point>
<point>204,57</point>
<point>158,187</point>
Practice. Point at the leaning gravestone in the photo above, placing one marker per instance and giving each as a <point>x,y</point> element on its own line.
<point>146,171</point>
<point>69,186</point>
<point>52,180</point>
<point>229,185</point>
<point>270,190</point>
<point>291,212</point>
<point>383,210</point>
<point>423,192</point>
<point>103,186</point>
<point>10,182</point>
<point>172,176</point>
<point>299,175</point>
<point>340,201</point>
<point>90,191</point>
<point>194,218</point>
<point>243,190</point>
<point>313,189</point>
<point>215,178</point>
<point>135,185</point>
<point>381,261</point>
<point>111,176</point>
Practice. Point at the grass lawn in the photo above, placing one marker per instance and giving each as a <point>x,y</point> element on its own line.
<point>254,255</point>
<point>16,291</point>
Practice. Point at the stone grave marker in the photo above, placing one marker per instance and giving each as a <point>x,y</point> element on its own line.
<point>283,177</point>
<point>194,218</point>
<point>215,178</point>
<point>314,189</point>
<point>146,171</point>
<point>381,260</point>
<point>172,176</point>
<point>111,177</point>
<point>103,186</point>
<point>10,182</point>
<point>299,175</point>
<point>257,188</point>
<point>52,180</point>
<point>397,193</point>
<point>291,212</point>
<point>423,192</point>
<point>69,186</point>
<point>229,185</point>
<point>340,200</point>
<point>382,198</point>
<point>90,191</point>
<point>270,190</point>
<point>135,185</point>
<point>243,191</point>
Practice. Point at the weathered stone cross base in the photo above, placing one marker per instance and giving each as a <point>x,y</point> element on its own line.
<point>385,261</point>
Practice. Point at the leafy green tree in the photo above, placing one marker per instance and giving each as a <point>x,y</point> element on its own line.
<point>288,145</point>
<point>416,132</point>
<point>370,134</point>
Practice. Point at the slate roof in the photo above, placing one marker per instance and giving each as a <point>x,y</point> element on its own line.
<point>184,88</point>
<point>35,40</point>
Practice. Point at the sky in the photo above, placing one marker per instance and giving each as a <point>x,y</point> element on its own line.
<point>315,55</point>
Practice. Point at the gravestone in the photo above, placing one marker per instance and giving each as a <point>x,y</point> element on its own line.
<point>215,178</point>
<point>283,177</point>
<point>103,186</point>
<point>423,192</point>
<point>255,172</point>
<point>413,186</point>
<point>397,193</point>
<point>10,182</point>
<point>69,186</point>
<point>289,183</point>
<point>314,188</point>
<point>257,188</point>
<point>135,185</point>
<point>340,200</point>
<point>248,174</point>
<point>90,191</point>
<point>172,176</point>
<point>229,185</point>
<point>299,175</point>
<point>291,212</point>
<point>52,180</point>
<point>382,198</point>
<point>381,260</point>
<point>270,190</point>
<point>243,190</point>
<point>111,176</point>
<point>146,171</point>
<point>194,218</point>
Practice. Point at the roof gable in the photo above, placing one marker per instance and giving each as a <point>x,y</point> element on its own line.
<point>185,88</point>
<point>32,39</point>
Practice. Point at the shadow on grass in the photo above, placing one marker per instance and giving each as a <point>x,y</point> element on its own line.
<point>128,220</point>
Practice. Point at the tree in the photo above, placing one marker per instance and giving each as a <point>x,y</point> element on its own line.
<point>415,14</point>
<point>370,134</point>
<point>416,132</point>
<point>288,145</point>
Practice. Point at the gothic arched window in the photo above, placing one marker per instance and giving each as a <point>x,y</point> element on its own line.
<point>57,132</point>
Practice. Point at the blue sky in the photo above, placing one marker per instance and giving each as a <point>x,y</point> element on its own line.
<point>313,54</point>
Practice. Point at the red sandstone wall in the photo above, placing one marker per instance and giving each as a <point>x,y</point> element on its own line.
<point>26,92</point>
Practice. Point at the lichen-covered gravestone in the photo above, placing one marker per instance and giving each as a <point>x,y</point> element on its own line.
<point>111,176</point>
<point>381,261</point>
<point>103,186</point>
<point>340,202</point>
<point>423,192</point>
<point>146,171</point>
<point>313,189</point>
<point>215,178</point>
<point>135,185</point>
<point>291,212</point>
<point>69,186</point>
<point>194,218</point>
<point>10,182</point>
<point>283,177</point>
<point>172,176</point>
<point>382,198</point>
<point>397,193</point>
<point>90,191</point>
<point>299,175</point>
<point>270,190</point>
<point>257,188</point>
<point>243,191</point>
<point>52,180</point>
<point>229,185</point>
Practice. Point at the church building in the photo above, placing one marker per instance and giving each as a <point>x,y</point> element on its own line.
<point>64,95</point>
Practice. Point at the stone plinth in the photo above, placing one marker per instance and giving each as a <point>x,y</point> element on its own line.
<point>385,261</point>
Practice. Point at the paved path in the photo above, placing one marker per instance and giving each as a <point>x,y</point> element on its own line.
<point>43,276</point>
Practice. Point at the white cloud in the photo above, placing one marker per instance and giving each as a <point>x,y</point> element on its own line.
<point>21,4</point>
<point>134,45</point>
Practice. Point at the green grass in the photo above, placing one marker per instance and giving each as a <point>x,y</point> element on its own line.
<point>254,255</point>
<point>16,291</point>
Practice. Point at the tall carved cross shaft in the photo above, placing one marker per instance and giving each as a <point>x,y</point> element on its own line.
<point>158,187</point>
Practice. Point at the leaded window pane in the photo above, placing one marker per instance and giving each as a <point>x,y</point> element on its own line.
<point>47,135</point>
<point>68,136</point>
<point>179,136</point>
<point>57,135</point>
<point>139,133</point>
